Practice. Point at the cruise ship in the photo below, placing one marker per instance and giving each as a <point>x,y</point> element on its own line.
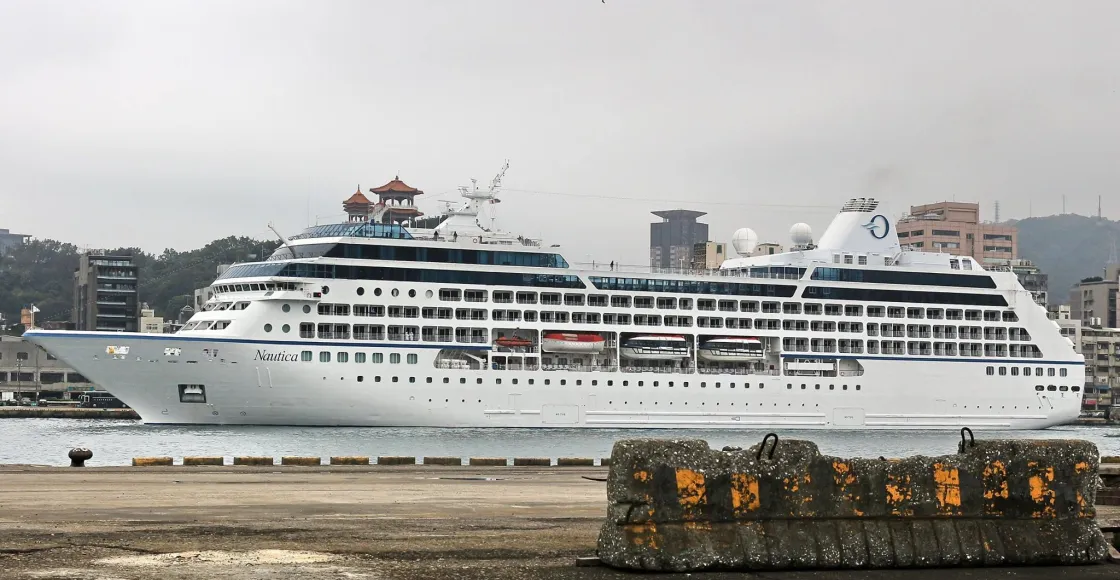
<point>374,323</point>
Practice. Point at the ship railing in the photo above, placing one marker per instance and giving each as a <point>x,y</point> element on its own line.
<point>503,300</point>
<point>714,371</point>
<point>580,368</point>
<point>658,370</point>
<point>851,373</point>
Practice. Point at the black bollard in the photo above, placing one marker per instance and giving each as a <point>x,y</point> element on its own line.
<point>79,456</point>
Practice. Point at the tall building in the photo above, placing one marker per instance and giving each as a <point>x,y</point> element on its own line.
<point>1033,279</point>
<point>105,293</point>
<point>955,228</point>
<point>1093,300</point>
<point>708,255</point>
<point>672,240</point>
<point>8,240</point>
<point>1101,347</point>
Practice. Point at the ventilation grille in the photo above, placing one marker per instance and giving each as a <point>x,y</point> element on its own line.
<point>860,204</point>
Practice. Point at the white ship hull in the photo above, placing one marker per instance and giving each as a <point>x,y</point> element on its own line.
<point>242,389</point>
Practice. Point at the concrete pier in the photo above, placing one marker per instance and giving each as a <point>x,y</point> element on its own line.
<point>66,413</point>
<point>242,522</point>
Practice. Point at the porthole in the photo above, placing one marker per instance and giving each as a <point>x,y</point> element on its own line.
<point>396,292</point>
<point>361,291</point>
<point>428,294</point>
<point>326,290</point>
<point>377,292</point>
<point>287,308</point>
<point>361,378</point>
<point>286,328</point>
<point>412,294</point>
<point>306,309</point>
<point>268,328</point>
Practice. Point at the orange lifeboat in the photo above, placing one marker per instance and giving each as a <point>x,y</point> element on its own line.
<point>573,342</point>
<point>513,342</point>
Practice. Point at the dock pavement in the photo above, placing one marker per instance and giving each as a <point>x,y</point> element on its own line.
<point>362,522</point>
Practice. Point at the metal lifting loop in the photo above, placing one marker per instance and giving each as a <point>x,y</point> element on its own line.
<point>773,447</point>
<point>971,442</point>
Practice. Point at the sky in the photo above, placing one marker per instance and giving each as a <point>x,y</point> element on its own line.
<point>170,124</point>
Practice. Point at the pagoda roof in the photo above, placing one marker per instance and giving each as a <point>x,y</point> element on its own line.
<point>396,186</point>
<point>358,197</point>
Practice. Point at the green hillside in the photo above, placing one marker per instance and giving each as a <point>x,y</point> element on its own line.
<point>41,272</point>
<point>1068,247</point>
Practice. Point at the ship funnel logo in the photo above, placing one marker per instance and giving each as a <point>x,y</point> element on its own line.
<point>878,226</point>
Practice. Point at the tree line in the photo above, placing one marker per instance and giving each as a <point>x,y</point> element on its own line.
<point>41,272</point>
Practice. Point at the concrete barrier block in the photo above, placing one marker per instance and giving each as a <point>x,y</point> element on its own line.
<point>488,461</point>
<point>575,462</point>
<point>152,461</point>
<point>350,460</point>
<point>198,461</point>
<point>532,461</point>
<point>396,460</point>
<point>301,461</point>
<point>443,461</point>
<point>268,461</point>
<point>679,506</point>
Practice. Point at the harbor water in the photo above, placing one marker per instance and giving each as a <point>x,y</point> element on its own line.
<point>46,441</point>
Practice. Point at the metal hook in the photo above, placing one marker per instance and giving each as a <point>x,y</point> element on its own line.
<point>971,442</point>
<point>773,447</point>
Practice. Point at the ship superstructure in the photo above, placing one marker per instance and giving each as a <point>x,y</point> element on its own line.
<point>373,322</point>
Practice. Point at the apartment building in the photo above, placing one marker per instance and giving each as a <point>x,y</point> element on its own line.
<point>955,228</point>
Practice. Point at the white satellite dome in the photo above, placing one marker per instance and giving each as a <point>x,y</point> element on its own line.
<point>744,240</point>
<point>801,234</point>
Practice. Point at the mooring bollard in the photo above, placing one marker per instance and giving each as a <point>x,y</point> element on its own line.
<point>79,456</point>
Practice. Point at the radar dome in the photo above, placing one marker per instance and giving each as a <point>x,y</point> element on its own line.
<point>744,240</point>
<point>801,234</point>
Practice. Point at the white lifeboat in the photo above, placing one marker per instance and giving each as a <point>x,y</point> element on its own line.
<point>655,347</point>
<point>572,342</point>
<point>730,349</point>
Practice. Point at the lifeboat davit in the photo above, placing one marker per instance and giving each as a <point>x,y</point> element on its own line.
<point>731,349</point>
<point>573,342</point>
<point>513,342</point>
<point>655,347</point>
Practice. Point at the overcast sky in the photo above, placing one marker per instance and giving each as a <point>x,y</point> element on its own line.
<point>170,124</point>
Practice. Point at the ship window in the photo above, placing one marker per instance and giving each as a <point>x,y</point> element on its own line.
<point>1063,388</point>
<point>286,328</point>
<point>548,381</point>
<point>1014,371</point>
<point>446,380</point>
<point>267,327</point>
<point>305,356</point>
<point>1051,388</point>
<point>394,379</point>
<point>343,357</point>
<point>307,330</point>
<point>991,371</point>
<point>562,381</point>
<point>880,295</point>
<point>531,381</point>
<point>324,356</point>
<point>1027,372</point>
<point>610,383</point>
<point>377,358</point>
<point>1075,389</point>
<point>1062,372</point>
<point>394,358</point>
<point>287,308</point>
<point>359,357</point>
<point>1038,371</point>
<point>1002,371</point>
<point>1050,372</point>
<point>412,359</point>
<point>1039,388</point>
<point>863,260</point>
